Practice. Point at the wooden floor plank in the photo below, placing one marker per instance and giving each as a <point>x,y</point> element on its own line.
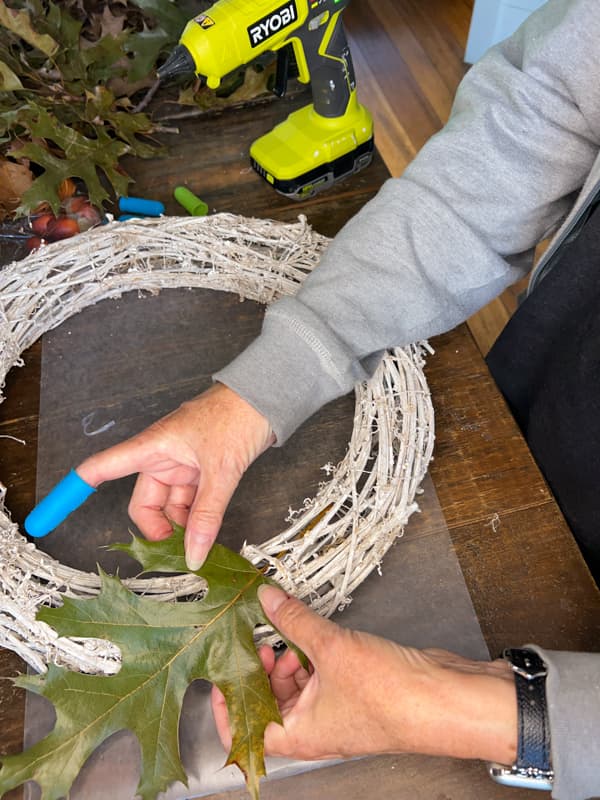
<point>445,51</point>
<point>417,57</point>
<point>403,93</point>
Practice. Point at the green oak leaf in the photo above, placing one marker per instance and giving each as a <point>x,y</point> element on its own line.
<point>9,82</point>
<point>145,48</point>
<point>170,16</point>
<point>19,22</point>
<point>164,647</point>
<point>83,157</point>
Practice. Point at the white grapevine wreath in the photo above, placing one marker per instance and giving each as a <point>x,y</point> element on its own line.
<point>336,539</point>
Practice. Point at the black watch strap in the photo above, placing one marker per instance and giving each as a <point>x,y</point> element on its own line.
<point>533,750</point>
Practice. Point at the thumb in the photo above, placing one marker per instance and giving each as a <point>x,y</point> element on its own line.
<point>206,516</point>
<point>296,621</point>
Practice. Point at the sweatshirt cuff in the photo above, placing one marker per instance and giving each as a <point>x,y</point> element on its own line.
<point>573,696</point>
<point>287,373</point>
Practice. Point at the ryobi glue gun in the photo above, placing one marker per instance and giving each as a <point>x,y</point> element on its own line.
<point>322,142</point>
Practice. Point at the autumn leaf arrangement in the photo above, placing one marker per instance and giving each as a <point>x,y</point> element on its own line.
<point>164,647</point>
<point>68,72</point>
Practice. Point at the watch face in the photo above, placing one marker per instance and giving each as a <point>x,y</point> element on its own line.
<point>519,778</point>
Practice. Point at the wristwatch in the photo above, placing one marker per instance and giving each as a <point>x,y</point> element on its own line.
<point>533,767</point>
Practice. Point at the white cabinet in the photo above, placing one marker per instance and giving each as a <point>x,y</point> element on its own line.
<point>494,20</point>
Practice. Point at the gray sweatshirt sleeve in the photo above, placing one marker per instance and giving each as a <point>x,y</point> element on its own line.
<point>573,691</point>
<point>458,227</point>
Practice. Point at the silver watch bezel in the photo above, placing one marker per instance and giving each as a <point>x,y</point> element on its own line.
<point>530,778</point>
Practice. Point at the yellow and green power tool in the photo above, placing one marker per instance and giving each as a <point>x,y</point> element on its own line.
<point>317,145</point>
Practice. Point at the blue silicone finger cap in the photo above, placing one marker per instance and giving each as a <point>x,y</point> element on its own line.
<point>141,205</point>
<point>66,496</point>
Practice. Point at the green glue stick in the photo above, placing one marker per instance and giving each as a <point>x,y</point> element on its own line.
<point>191,203</point>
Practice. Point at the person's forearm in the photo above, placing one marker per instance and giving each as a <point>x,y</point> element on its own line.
<point>466,709</point>
<point>438,243</point>
<point>482,718</point>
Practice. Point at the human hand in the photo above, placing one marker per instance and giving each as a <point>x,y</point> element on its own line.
<point>365,695</point>
<point>189,463</point>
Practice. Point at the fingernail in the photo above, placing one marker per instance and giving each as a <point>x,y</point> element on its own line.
<point>196,552</point>
<point>271,598</point>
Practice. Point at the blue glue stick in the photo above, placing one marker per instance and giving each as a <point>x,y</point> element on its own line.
<point>66,496</point>
<point>139,205</point>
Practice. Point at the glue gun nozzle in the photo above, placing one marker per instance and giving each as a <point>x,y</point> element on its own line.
<point>180,62</point>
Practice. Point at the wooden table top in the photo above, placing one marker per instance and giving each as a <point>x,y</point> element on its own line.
<point>524,573</point>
